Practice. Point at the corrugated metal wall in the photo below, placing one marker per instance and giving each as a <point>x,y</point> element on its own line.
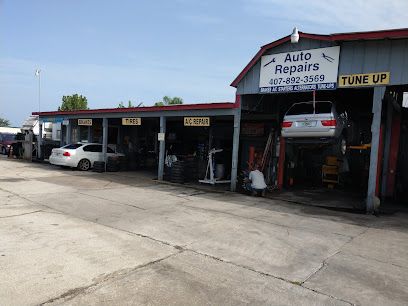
<point>355,57</point>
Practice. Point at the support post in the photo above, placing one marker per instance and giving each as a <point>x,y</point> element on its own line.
<point>78,133</point>
<point>39,140</point>
<point>89,134</point>
<point>162,149</point>
<point>387,145</point>
<point>104,139</point>
<point>281,162</point>
<point>62,136</point>
<point>375,144</point>
<point>235,148</point>
<point>69,132</point>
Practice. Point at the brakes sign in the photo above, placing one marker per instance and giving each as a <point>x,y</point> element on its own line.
<point>87,122</point>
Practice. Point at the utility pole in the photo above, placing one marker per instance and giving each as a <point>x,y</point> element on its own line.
<point>38,73</point>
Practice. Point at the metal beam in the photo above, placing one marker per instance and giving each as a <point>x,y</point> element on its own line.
<point>235,148</point>
<point>89,133</point>
<point>387,144</point>
<point>162,149</point>
<point>78,133</point>
<point>104,139</point>
<point>152,114</point>
<point>39,141</point>
<point>69,132</point>
<point>375,140</point>
<point>62,135</point>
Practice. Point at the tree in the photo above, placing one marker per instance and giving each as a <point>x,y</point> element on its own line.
<point>4,122</point>
<point>121,105</point>
<point>169,101</point>
<point>74,102</point>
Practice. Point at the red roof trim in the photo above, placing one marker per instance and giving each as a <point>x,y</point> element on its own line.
<point>178,107</point>
<point>257,57</point>
<point>383,34</point>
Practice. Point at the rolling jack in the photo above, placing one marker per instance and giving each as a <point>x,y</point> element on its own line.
<point>212,180</point>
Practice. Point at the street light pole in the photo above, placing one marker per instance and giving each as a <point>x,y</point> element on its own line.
<point>38,73</point>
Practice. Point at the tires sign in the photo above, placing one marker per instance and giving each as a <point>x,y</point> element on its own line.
<point>306,70</point>
<point>131,121</point>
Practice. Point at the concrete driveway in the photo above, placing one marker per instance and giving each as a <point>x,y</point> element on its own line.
<point>75,238</point>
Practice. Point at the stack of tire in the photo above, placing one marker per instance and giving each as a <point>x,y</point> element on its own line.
<point>191,175</point>
<point>99,166</point>
<point>113,165</point>
<point>177,172</point>
<point>123,164</point>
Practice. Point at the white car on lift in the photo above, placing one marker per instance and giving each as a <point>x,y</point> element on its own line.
<point>80,155</point>
<point>318,122</point>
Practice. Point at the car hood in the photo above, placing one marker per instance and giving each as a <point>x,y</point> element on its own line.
<point>8,142</point>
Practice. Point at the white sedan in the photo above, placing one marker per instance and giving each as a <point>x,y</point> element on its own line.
<point>80,155</point>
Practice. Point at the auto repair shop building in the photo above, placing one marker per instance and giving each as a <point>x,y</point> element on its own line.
<point>367,72</point>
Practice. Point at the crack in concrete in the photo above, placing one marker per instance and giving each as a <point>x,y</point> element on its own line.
<point>27,213</point>
<point>110,200</point>
<point>324,262</point>
<point>375,259</point>
<point>329,295</point>
<point>267,275</point>
<point>116,275</point>
<point>322,265</point>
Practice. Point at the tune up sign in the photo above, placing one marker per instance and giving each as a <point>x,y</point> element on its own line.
<point>305,70</point>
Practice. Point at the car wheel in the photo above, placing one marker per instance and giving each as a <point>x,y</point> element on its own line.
<point>3,151</point>
<point>340,148</point>
<point>84,165</point>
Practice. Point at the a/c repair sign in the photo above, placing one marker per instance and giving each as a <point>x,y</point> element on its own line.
<point>305,70</point>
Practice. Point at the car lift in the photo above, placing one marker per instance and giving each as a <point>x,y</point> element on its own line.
<point>212,180</point>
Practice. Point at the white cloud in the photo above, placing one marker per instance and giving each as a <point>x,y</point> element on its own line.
<point>333,16</point>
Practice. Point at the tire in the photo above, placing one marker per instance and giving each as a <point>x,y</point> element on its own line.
<point>3,151</point>
<point>84,164</point>
<point>340,147</point>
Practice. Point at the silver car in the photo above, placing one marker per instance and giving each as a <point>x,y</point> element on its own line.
<point>316,122</point>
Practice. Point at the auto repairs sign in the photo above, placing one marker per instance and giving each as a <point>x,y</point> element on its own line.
<point>305,70</point>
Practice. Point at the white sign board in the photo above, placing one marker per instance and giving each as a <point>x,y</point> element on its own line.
<point>160,136</point>
<point>305,70</point>
<point>405,100</point>
<point>196,121</point>
<point>87,122</point>
<point>131,121</point>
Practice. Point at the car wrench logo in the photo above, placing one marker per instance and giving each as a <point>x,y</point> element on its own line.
<point>327,58</point>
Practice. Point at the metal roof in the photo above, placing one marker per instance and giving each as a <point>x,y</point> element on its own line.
<point>372,35</point>
<point>176,107</point>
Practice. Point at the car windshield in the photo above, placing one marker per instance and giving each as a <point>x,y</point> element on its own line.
<point>73,146</point>
<point>9,137</point>
<point>301,109</point>
<point>307,108</point>
<point>323,108</point>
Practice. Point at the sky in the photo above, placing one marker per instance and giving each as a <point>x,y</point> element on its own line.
<point>141,50</point>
